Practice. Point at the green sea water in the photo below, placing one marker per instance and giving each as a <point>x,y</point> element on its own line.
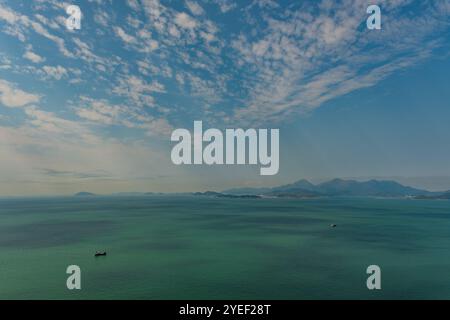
<point>209,248</point>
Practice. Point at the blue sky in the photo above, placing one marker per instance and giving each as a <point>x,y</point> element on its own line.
<point>93,109</point>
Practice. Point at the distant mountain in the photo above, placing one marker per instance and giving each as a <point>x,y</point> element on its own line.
<point>377,188</point>
<point>84,194</point>
<point>336,187</point>
<point>304,189</point>
<point>297,194</point>
<point>301,185</point>
<point>244,191</point>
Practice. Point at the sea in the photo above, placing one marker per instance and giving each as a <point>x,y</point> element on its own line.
<point>199,247</point>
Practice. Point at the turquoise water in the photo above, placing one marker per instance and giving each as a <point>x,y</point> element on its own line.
<point>208,248</point>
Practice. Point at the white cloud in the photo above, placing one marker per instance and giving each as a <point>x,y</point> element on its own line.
<point>95,116</point>
<point>85,52</point>
<point>282,59</point>
<point>137,90</point>
<point>173,31</point>
<point>102,18</point>
<point>98,111</point>
<point>226,5</point>
<point>185,21</point>
<point>49,122</point>
<point>47,22</point>
<point>12,97</point>
<point>194,7</point>
<point>33,57</point>
<point>134,4</point>
<point>299,59</point>
<point>159,127</point>
<point>134,22</point>
<point>21,24</point>
<point>57,72</point>
<point>8,15</point>
<point>124,36</point>
<point>38,28</point>
<point>102,112</point>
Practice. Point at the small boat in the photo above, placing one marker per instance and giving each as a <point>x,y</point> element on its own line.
<point>98,254</point>
<point>333,225</point>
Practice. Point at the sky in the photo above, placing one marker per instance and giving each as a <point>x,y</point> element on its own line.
<point>93,109</point>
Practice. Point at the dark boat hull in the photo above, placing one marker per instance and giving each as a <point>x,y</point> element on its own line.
<point>100,254</point>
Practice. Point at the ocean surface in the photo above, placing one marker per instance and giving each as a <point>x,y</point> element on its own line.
<point>186,247</point>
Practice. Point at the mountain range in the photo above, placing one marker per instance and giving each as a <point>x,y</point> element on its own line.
<point>338,187</point>
<point>305,189</point>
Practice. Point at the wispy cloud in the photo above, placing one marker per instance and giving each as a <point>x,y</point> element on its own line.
<point>33,57</point>
<point>275,62</point>
<point>305,57</point>
<point>195,8</point>
<point>76,175</point>
<point>11,96</point>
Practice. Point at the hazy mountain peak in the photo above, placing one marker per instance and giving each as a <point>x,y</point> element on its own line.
<point>337,187</point>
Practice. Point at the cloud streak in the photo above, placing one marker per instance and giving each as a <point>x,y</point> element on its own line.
<point>301,60</point>
<point>13,97</point>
